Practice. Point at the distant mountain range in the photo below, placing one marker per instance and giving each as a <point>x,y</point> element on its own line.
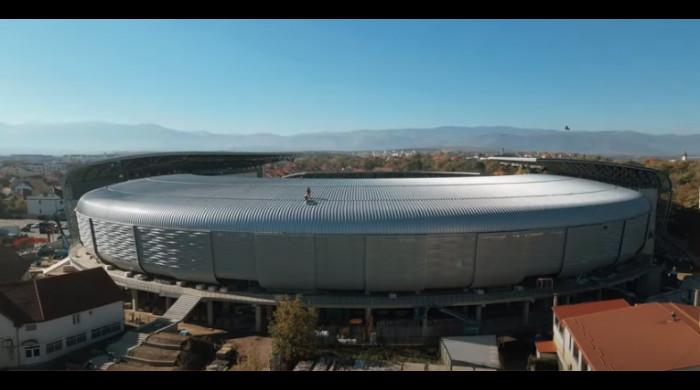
<point>98,137</point>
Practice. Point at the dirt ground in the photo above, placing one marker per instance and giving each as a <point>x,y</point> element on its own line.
<point>197,330</point>
<point>167,338</point>
<point>153,353</point>
<point>253,353</point>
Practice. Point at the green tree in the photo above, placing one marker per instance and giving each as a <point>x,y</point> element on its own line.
<point>293,330</point>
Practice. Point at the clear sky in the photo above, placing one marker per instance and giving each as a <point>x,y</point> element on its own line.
<point>297,76</point>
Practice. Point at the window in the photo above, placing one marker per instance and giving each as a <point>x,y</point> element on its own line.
<point>54,346</point>
<point>584,365</point>
<point>76,318</point>
<point>30,327</point>
<point>576,354</point>
<point>39,202</point>
<point>105,330</point>
<point>32,351</point>
<point>75,340</point>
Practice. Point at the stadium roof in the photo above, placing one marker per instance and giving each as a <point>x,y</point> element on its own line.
<point>363,206</point>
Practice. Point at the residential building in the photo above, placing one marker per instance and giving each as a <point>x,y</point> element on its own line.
<point>13,268</point>
<point>36,169</point>
<point>614,336</point>
<point>45,204</point>
<point>43,319</point>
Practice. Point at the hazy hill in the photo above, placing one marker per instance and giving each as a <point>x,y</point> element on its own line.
<point>98,137</point>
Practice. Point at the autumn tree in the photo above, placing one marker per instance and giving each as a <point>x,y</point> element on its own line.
<point>293,330</point>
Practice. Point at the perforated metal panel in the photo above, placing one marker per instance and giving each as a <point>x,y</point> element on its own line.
<point>507,258</point>
<point>115,243</point>
<point>85,233</point>
<point>181,254</point>
<point>340,262</point>
<point>591,247</point>
<point>449,260</point>
<point>395,263</point>
<point>285,261</point>
<point>633,238</point>
<point>234,255</point>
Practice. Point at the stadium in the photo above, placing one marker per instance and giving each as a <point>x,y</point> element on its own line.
<point>363,234</point>
<point>430,241</point>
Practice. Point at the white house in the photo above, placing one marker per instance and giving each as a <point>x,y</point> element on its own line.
<point>43,204</point>
<point>43,319</point>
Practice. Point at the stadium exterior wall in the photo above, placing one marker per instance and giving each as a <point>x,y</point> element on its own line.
<point>363,234</point>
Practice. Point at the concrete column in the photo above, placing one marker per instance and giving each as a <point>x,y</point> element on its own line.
<point>696,298</point>
<point>210,313</point>
<point>526,312</point>
<point>258,318</point>
<point>168,303</point>
<point>134,299</point>
<point>425,325</point>
<point>599,295</point>
<point>368,315</point>
<point>478,313</point>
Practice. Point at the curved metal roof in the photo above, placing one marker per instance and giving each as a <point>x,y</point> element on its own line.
<point>363,206</point>
<point>123,168</point>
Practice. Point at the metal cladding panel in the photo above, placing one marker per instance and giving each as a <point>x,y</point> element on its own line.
<point>285,261</point>
<point>591,247</point>
<point>363,206</point>
<point>508,257</point>
<point>395,263</point>
<point>449,260</point>
<point>116,244</point>
<point>340,262</point>
<point>180,254</point>
<point>234,255</point>
<point>85,232</point>
<point>634,236</point>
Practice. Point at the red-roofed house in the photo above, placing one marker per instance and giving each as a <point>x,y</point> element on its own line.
<point>43,319</point>
<point>562,336</point>
<point>646,337</point>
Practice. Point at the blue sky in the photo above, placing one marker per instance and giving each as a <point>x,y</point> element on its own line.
<point>297,76</point>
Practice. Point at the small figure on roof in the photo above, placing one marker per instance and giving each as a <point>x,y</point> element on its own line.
<point>307,197</point>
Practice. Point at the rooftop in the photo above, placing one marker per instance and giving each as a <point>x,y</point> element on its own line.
<point>566,311</point>
<point>12,265</point>
<point>546,346</point>
<point>473,350</point>
<point>646,337</point>
<point>50,298</point>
